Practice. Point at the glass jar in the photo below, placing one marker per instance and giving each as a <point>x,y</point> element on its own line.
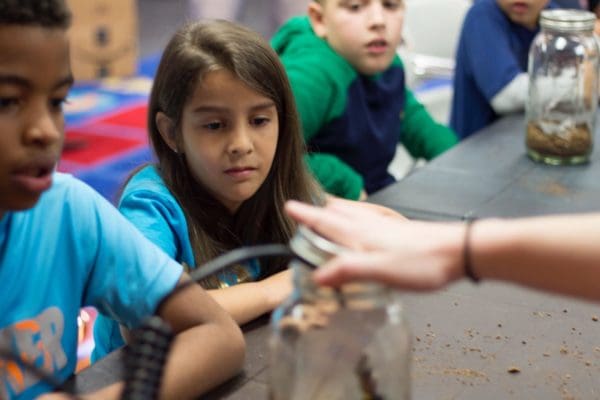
<point>347,343</point>
<point>563,94</point>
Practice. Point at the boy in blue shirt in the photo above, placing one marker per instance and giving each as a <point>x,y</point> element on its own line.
<point>62,246</point>
<point>491,78</point>
<point>350,90</point>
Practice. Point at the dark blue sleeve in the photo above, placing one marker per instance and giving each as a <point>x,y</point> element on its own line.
<point>487,39</point>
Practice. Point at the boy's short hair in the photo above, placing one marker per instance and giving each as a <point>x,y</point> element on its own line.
<point>45,13</point>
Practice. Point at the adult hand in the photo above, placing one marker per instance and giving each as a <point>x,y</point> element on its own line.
<point>384,248</point>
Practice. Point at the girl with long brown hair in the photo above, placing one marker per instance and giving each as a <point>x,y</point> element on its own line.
<point>223,125</point>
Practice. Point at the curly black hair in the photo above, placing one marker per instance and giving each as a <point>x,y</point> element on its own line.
<point>45,13</point>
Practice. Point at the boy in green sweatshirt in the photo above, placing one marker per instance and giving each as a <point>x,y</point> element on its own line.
<point>350,90</point>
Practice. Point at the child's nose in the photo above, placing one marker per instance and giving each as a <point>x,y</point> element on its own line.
<point>376,14</point>
<point>240,142</point>
<point>43,129</point>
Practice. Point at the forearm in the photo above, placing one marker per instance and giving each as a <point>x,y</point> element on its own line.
<point>201,349</point>
<point>512,97</point>
<point>244,302</point>
<point>422,136</point>
<point>209,346</point>
<point>335,176</point>
<point>551,253</point>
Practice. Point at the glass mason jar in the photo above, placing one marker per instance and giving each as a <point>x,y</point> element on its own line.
<point>563,88</point>
<point>347,343</point>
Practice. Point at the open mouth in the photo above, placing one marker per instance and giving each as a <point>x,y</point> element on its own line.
<point>377,46</point>
<point>34,178</point>
<point>36,171</point>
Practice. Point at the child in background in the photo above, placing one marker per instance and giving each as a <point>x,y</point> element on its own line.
<point>490,78</point>
<point>350,89</point>
<point>223,125</point>
<point>62,246</point>
<point>594,6</point>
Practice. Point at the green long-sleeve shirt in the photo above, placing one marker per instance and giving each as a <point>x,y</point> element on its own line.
<point>351,122</point>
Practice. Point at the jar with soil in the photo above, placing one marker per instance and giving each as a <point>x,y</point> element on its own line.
<point>563,94</point>
<point>346,343</point>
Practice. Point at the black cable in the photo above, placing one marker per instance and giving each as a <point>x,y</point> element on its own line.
<point>146,357</point>
<point>155,331</point>
<point>233,257</point>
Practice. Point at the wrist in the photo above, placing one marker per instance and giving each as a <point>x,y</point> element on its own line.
<point>468,261</point>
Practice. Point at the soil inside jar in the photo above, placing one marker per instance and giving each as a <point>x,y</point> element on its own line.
<point>572,142</point>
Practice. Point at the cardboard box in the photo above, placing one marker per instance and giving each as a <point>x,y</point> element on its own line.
<point>104,38</point>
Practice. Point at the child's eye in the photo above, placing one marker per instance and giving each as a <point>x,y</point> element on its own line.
<point>57,103</point>
<point>213,126</point>
<point>260,121</point>
<point>8,102</point>
<point>392,5</point>
<point>353,6</point>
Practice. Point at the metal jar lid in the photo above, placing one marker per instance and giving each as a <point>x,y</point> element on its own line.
<point>313,247</point>
<point>566,20</point>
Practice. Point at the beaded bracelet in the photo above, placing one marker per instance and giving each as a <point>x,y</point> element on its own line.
<point>468,262</point>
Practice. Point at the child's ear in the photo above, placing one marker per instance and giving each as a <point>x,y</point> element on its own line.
<point>315,15</point>
<point>166,127</point>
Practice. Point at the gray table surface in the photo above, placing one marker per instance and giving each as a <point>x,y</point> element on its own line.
<point>468,338</point>
<point>489,174</point>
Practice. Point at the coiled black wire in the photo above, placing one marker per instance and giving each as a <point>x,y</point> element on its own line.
<point>146,355</point>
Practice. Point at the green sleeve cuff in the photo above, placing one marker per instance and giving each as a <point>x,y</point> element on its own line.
<point>335,176</point>
<point>421,134</point>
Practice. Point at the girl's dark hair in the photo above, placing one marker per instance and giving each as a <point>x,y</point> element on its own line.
<point>45,13</point>
<point>199,48</point>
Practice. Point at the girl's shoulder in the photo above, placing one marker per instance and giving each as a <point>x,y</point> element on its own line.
<point>146,179</point>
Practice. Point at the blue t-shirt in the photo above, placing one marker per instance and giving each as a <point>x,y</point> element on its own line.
<point>151,207</point>
<point>491,52</point>
<point>72,249</point>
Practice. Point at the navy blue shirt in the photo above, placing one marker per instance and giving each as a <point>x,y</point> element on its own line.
<point>371,127</point>
<point>492,51</point>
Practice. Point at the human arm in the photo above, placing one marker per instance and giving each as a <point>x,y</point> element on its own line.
<point>125,276</point>
<point>553,253</point>
<point>512,97</point>
<point>335,176</point>
<point>382,210</point>
<point>247,301</point>
<point>209,346</point>
<point>493,58</point>
<point>207,350</point>
<point>319,79</point>
<point>421,134</point>
<point>160,218</point>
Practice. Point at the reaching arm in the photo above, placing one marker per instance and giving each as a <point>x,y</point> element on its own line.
<point>556,253</point>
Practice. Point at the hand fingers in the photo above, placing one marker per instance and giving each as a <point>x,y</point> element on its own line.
<point>354,266</point>
<point>376,267</point>
<point>327,223</point>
